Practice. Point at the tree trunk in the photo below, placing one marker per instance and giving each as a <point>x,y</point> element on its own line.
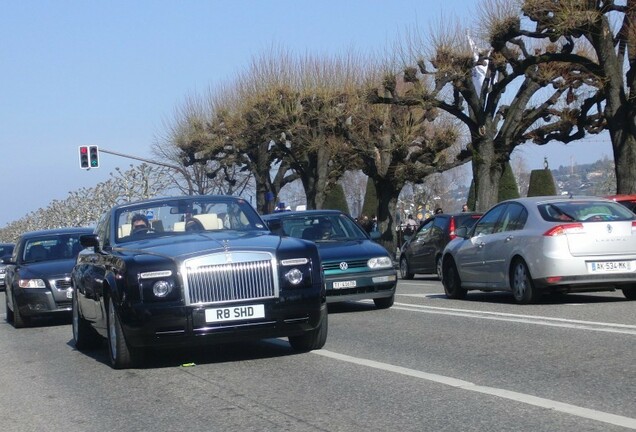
<point>624,145</point>
<point>487,173</point>
<point>387,205</point>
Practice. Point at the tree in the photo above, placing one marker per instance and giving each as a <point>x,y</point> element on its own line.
<point>470,84</point>
<point>335,199</point>
<point>508,185</point>
<point>370,203</point>
<point>541,183</point>
<point>609,29</point>
<point>206,177</point>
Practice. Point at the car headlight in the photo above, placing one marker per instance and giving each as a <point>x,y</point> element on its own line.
<point>31,283</point>
<point>380,262</point>
<point>294,276</point>
<point>161,288</point>
<point>158,285</point>
<point>296,272</point>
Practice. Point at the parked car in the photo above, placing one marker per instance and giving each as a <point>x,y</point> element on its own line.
<point>6,249</point>
<point>204,270</point>
<point>422,253</point>
<point>628,201</point>
<point>545,244</point>
<point>38,274</point>
<point>355,266</point>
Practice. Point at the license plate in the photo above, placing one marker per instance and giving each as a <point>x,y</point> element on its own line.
<point>610,266</point>
<point>235,313</point>
<point>344,284</point>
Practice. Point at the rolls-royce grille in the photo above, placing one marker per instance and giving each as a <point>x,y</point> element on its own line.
<point>230,281</point>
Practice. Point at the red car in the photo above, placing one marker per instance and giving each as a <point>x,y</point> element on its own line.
<point>628,201</point>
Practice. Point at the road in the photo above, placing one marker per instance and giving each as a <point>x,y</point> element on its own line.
<point>426,364</point>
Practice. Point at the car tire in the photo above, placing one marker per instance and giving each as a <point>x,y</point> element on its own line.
<point>521,284</point>
<point>384,302</point>
<point>8,312</point>
<point>438,267</point>
<point>451,281</point>
<point>629,293</point>
<point>405,272</point>
<point>19,321</point>
<point>121,355</point>
<point>84,335</point>
<point>313,339</point>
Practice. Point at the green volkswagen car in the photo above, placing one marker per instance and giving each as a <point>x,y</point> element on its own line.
<point>355,267</point>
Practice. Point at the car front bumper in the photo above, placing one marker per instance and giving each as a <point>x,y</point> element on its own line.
<point>36,302</point>
<point>368,285</point>
<point>156,325</point>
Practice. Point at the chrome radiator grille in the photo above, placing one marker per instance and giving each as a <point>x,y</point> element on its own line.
<point>230,277</point>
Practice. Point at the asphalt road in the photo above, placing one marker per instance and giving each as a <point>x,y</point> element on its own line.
<point>426,364</point>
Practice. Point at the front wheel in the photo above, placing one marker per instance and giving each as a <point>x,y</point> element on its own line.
<point>438,267</point>
<point>121,355</point>
<point>405,272</point>
<point>521,283</point>
<point>8,312</point>
<point>84,335</point>
<point>313,339</point>
<point>19,321</point>
<point>451,281</point>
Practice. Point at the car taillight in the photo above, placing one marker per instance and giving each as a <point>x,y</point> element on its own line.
<point>572,228</point>
<point>451,229</point>
<point>633,226</point>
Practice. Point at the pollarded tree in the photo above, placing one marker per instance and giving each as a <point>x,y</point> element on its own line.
<point>501,95</point>
<point>396,145</point>
<point>204,177</point>
<point>609,28</point>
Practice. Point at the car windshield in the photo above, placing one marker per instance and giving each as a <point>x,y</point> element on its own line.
<point>584,211</point>
<point>322,227</point>
<point>181,216</point>
<point>52,247</point>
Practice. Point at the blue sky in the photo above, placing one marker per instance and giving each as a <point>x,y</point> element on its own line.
<point>112,73</point>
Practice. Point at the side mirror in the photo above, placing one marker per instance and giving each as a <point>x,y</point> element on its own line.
<point>276,226</point>
<point>90,240</point>
<point>462,232</point>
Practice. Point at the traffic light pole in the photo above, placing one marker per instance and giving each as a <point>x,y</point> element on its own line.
<point>174,167</point>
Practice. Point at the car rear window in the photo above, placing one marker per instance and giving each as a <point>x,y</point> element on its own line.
<point>467,220</point>
<point>584,211</point>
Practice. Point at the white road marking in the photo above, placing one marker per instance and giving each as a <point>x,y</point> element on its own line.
<point>527,319</point>
<point>591,414</point>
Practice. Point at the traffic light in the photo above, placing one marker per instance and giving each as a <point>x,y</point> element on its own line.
<point>83,157</point>
<point>93,155</point>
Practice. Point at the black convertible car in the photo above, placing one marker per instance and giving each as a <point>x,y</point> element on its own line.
<point>194,270</point>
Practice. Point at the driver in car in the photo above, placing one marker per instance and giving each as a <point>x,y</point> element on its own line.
<point>140,224</point>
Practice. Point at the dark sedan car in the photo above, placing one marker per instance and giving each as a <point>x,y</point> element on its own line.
<point>183,271</point>
<point>6,249</point>
<point>38,274</point>
<point>355,266</point>
<point>422,253</point>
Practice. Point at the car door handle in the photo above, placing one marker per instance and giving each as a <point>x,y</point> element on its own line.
<point>481,245</point>
<point>509,238</point>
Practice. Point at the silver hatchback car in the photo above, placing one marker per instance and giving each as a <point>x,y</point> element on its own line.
<point>545,244</point>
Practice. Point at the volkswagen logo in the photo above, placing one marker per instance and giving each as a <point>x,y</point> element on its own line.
<point>344,266</point>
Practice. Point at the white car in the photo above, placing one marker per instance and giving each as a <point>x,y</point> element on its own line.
<point>545,244</point>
